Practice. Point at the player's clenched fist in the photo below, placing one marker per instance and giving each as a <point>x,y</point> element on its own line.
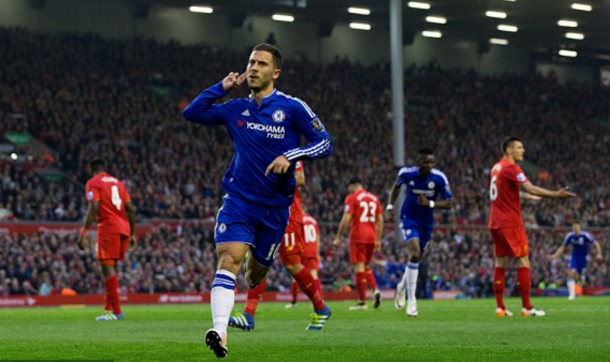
<point>81,242</point>
<point>133,242</point>
<point>422,200</point>
<point>233,80</point>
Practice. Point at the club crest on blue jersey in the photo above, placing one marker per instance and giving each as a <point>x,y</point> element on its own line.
<point>278,116</point>
<point>431,184</point>
<point>222,228</point>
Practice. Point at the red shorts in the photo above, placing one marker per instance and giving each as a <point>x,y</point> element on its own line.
<point>361,252</point>
<point>510,242</point>
<point>111,246</point>
<point>293,241</point>
<point>311,263</point>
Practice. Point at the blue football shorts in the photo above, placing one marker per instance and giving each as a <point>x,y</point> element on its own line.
<point>260,226</point>
<point>414,230</point>
<point>578,263</point>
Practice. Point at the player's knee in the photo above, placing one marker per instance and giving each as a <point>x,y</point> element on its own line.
<point>294,268</point>
<point>415,257</point>
<point>227,261</point>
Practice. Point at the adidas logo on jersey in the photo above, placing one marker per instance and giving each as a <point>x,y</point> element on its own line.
<point>245,113</point>
<point>411,183</point>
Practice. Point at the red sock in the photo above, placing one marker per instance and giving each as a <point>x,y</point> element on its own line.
<point>308,286</point>
<point>524,284</point>
<point>370,278</point>
<point>108,306</point>
<point>294,289</point>
<point>254,296</point>
<point>319,287</point>
<point>112,293</point>
<point>498,286</point>
<point>361,284</point>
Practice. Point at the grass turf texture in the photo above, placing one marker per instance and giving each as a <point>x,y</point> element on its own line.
<point>464,330</point>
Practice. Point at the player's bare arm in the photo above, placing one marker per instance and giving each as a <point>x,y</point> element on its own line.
<point>131,216</point>
<point>440,204</point>
<point>233,80</point>
<point>300,177</point>
<point>345,220</point>
<point>390,206</point>
<point>562,193</point>
<point>527,196</point>
<point>557,253</point>
<point>279,166</point>
<point>91,215</point>
<point>378,232</point>
<point>598,248</point>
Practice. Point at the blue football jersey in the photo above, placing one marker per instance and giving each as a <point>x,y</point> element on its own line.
<point>431,186</point>
<point>260,135</point>
<point>580,243</point>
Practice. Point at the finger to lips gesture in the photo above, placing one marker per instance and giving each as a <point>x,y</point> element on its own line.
<point>233,80</point>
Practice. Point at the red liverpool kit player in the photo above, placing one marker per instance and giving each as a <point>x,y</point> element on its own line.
<point>290,251</point>
<point>110,205</point>
<point>363,211</point>
<point>506,225</point>
<point>310,258</point>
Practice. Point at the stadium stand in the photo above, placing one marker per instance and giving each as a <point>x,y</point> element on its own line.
<point>67,98</point>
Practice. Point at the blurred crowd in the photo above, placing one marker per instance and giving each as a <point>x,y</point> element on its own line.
<point>88,97</point>
<point>85,96</point>
<point>182,259</point>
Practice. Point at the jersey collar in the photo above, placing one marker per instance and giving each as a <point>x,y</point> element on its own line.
<point>265,100</point>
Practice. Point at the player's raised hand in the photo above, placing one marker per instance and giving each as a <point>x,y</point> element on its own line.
<point>233,80</point>
<point>280,165</point>
<point>133,242</point>
<point>564,193</point>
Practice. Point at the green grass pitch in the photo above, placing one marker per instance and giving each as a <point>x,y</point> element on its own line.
<point>464,330</point>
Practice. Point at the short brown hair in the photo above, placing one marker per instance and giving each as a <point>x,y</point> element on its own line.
<point>277,55</point>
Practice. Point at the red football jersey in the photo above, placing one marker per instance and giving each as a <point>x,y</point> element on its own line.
<point>506,181</point>
<point>112,196</point>
<point>296,210</point>
<point>364,207</point>
<point>310,226</point>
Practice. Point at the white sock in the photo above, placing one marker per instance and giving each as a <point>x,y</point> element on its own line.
<point>411,272</point>
<point>402,284</point>
<point>222,299</point>
<point>571,287</point>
